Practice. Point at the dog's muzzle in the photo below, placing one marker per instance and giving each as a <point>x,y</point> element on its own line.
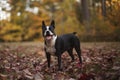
<point>48,35</point>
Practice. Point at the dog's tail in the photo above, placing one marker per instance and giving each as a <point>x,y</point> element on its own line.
<point>74,33</point>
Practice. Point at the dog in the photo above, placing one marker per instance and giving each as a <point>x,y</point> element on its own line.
<point>56,45</point>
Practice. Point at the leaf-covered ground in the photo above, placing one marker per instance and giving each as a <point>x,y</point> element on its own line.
<point>26,61</point>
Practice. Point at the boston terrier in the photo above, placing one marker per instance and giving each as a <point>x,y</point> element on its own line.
<point>56,45</point>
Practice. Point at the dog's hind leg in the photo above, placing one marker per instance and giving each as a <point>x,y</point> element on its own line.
<point>78,50</point>
<point>70,51</point>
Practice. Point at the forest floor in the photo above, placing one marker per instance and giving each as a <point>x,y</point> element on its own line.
<point>27,61</point>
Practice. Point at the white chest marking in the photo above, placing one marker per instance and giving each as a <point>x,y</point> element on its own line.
<point>50,46</point>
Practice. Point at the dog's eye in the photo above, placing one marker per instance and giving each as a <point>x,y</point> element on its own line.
<point>50,28</point>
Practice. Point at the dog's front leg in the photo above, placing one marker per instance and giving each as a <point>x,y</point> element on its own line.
<point>59,63</point>
<point>48,58</point>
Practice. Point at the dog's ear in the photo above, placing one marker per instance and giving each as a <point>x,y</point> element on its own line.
<point>52,23</point>
<point>43,25</point>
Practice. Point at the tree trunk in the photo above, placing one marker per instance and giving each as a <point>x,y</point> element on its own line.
<point>85,10</point>
<point>85,14</point>
<point>104,8</point>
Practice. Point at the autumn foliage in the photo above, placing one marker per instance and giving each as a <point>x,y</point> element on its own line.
<point>27,61</point>
<point>24,23</point>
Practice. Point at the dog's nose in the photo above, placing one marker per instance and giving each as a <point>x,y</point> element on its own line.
<point>47,32</point>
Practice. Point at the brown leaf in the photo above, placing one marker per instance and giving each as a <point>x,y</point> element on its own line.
<point>3,77</point>
<point>38,76</point>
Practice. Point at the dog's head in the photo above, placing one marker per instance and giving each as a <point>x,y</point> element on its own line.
<point>48,31</point>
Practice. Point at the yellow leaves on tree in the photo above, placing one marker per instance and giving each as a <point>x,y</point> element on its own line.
<point>11,32</point>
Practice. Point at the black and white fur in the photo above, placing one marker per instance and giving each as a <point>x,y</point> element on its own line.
<point>56,45</point>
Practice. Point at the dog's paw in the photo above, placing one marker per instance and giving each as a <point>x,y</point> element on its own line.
<point>47,69</point>
<point>79,65</point>
<point>60,69</point>
<point>72,60</point>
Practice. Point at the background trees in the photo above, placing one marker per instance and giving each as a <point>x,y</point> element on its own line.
<point>93,20</point>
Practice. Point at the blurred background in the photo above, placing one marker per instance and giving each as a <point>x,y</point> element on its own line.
<point>93,20</point>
